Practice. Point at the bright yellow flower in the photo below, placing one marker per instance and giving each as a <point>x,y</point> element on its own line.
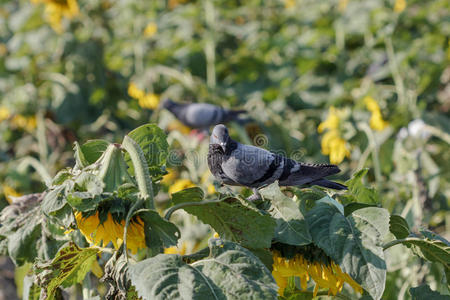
<point>332,143</point>
<point>176,250</point>
<point>55,10</point>
<point>111,231</point>
<point>376,120</point>
<point>150,101</point>
<point>4,113</point>
<point>216,235</point>
<point>180,184</point>
<point>135,92</point>
<point>9,192</point>
<point>399,6</point>
<point>211,189</point>
<point>325,276</point>
<point>25,123</point>
<point>150,30</point>
<point>332,121</point>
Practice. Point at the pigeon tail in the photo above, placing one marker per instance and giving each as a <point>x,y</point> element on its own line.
<point>329,184</point>
<point>233,114</point>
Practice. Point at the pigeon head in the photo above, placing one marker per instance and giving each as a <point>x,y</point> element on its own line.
<point>220,136</point>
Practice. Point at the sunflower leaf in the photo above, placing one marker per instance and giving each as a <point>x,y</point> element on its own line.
<point>231,272</point>
<point>353,242</point>
<point>232,219</point>
<point>291,228</point>
<point>69,266</point>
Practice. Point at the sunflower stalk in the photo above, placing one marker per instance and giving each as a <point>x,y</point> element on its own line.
<point>143,178</point>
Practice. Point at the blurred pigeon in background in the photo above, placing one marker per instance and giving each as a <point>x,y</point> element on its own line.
<point>200,115</point>
<point>233,163</point>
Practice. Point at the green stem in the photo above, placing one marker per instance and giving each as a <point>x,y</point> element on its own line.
<point>398,80</point>
<point>399,241</point>
<point>374,148</point>
<point>143,178</point>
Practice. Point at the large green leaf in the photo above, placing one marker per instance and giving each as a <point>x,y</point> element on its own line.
<point>69,266</point>
<point>424,292</point>
<point>159,233</point>
<point>231,272</point>
<point>354,242</point>
<point>22,244</point>
<point>153,143</point>
<point>231,218</point>
<point>358,192</point>
<point>291,227</point>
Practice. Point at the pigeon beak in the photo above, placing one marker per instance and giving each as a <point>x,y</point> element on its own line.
<point>222,145</point>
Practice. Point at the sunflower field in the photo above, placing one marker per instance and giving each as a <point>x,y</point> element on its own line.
<point>105,194</point>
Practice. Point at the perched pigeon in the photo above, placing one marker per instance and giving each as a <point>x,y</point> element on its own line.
<point>200,115</point>
<point>233,163</point>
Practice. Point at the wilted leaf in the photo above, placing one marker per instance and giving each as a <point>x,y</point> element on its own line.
<point>291,227</point>
<point>354,242</point>
<point>231,272</point>
<point>69,266</point>
<point>232,219</point>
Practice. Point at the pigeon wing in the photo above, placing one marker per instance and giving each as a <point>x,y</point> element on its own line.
<point>252,166</point>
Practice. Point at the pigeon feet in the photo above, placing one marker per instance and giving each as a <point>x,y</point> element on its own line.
<point>256,196</point>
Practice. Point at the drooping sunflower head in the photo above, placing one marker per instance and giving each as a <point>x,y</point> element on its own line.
<point>309,263</point>
<point>100,230</point>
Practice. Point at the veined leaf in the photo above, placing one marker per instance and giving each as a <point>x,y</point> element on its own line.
<point>69,266</point>
<point>354,242</point>
<point>232,219</point>
<point>291,227</point>
<point>425,292</point>
<point>153,143</point>
<point>159,233</point>
<point>54,200</point>
<point>231,272</point>
<point>21,228</point>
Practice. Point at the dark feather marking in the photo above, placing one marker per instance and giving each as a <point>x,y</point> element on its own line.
<point>288,165</point>
<point>274,165</point>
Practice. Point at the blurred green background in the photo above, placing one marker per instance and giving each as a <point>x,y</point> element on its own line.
<point>375,74</point>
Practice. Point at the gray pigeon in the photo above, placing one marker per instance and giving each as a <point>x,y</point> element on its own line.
<point>233,163</point>
<point>200,115</point>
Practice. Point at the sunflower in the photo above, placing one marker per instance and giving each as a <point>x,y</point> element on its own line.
<point>101,234</point>
<point>325,275</point>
